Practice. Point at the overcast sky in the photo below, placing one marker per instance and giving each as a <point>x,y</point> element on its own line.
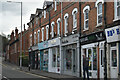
<point>10,14</point>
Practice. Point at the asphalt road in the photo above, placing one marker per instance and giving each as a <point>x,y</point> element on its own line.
<point>11,73</point>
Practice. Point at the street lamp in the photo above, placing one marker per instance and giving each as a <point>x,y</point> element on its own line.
<point>21,34</point>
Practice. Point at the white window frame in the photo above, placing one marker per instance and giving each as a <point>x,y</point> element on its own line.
<point>47,29</point>
<point>44,13</point>
<point>36,20</point>
<point>55,8</point>
<point>66,23</point>
<point>96,4</point>
<point>31,24</point>
<point>58,26</point>
<point>31,40</point>
<point>86,8</point>
<point>52,29</point>
<point>38,35</point>
<point>115,11</point>
<point>34,37</point>
<point>42,34</point>
<point>74,13</point>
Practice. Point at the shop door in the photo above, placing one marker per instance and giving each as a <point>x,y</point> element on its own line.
<point>101,63</point>
<point>113,62</point>
<point>92,55</point>
<point>74,61</point>
<point>70,60</point>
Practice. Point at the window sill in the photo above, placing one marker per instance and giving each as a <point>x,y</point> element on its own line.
<point>85,30</point>
<point>116,19</point>
<point>98,25</point>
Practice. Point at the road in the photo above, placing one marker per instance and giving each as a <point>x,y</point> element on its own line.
<point>11,73</point>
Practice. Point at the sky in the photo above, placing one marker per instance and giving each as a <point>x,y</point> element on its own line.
<point>10,14</point>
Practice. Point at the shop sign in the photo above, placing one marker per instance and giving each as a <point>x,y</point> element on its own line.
<point>54,42</point>
<point>92,38</point>
<point>43,45</point>
<point>70,39</point>
<point>113,34</point>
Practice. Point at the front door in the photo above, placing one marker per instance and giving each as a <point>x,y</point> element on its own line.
<point>101,63</point>
<point>113,62</point>
<point>70,61</point>
<point>91,53</point>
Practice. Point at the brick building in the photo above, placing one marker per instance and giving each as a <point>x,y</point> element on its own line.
<point>60,33</point>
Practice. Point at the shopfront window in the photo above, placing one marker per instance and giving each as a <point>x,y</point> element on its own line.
<point>114,58</point>
<point>58,58</point>
<point>94,59</point>
<point>69,59</point>
<point>53,57</point>
<point>45,60</point>
<point>90,58</point>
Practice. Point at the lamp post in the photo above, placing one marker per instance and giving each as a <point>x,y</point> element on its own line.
<point>21,34</point>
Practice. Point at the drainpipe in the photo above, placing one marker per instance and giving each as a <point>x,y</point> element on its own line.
<point>80,71</point>
<point>105,55</point>
<point>49,23</point>
<point>61,50</point>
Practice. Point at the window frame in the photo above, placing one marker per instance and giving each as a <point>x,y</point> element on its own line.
<point>85,20</point>
<point>58,26</point>
<point>116,17</point>
<point>66,16</point>
<point>55,6</point>
<point>38,35</point>
<point>96,4</point>
<point>47,28</point>
<point>42,33</point>
<point>52,29</point>
<point>74,13</point>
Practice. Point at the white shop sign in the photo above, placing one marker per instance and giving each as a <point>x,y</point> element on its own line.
<point>54,42</point>
<point>113,34</point>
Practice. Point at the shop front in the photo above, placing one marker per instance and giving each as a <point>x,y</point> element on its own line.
<point>113,53</point>
<point>43,56</point>
<point>93,46</point>
<point>70,55</point>
<point>54,55</point>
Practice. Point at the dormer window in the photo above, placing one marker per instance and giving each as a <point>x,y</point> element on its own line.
<point>99,12</point>
<point>74,13</point>
<point>55,8</point>
<point>52,27</point>
<point>36,20</point>
<point>86,17</point>
<point>66,24</point>
<point>44,13</point>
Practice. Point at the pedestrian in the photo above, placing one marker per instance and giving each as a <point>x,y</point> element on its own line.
<point>29,67</point>
<point>85,66</point>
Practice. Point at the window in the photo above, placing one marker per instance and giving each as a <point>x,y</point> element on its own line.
<point>74,13</point>
<point>47,27</point>
<point>99,11</point>
<point>44,13</point>
<point>86,17</point>
<point>31,40</point>
<point>31,24</point>
<point>55,5</point>
<point>43,34</point>
<point>58,26</point>
<point>38,35</point>
<point>66,23</point>
<point>34,37</point>
<point>117,9</point>
<point>36,20</point>
<point>52,26</point>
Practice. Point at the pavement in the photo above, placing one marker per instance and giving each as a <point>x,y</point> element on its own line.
<point>54,76</point>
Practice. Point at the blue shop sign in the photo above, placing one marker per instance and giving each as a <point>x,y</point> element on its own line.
<point>113,34</point>
<point>43,45</point>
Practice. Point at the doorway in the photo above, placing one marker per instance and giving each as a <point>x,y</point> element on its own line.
<point>113,61</point>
